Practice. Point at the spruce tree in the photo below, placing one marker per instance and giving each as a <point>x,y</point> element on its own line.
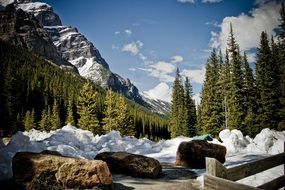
<point>29,120</point>
<point>281,48</point>
<point>87,109</point>
<point>266,86</point>
<point>176,113</point>
<point>189,110</point>
<point>45,122</point>
<point>235,101</point>
<point>55,120</point>
<point>210,107</point>
<point>249,93</point>
<point>69,114</point>
<point>125,121</point>
<point>110,112</point>
<point>223,89</point>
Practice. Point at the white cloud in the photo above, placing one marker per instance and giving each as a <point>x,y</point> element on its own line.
<point>213,23</point>
<point>212,1</point>
<point>161,70</point>
<point>142,57</point>
<point>133,47</point>
<point>132,69</point>
<point>197,98</point>
<point>195,75</point>
<point>247,28</point>
<point>176,59</point>
<point>115,47</point>
<point>251,57</point>
<point>162,91</point>
<point>117,32</point>
<point>186,1</point>
<point>128,32</point>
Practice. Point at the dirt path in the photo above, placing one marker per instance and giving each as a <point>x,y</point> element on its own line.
<point>173,178</point>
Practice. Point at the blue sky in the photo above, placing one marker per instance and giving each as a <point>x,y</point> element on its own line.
<point>146,40</point>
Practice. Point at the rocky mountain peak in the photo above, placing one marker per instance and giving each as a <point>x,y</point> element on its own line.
<point>22,29</point>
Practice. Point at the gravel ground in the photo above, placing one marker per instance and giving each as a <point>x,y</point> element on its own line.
<point>172,178</point>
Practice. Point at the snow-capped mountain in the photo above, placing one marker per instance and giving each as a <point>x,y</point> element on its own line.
<point>157,105</point>
<point>79,51</point>
<point>76,49</point>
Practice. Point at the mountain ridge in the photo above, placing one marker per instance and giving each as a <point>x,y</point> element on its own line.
<point>76,49</point>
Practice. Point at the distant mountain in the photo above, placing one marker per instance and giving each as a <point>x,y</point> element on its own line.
<point>157,105</point>
<point>76,50</point>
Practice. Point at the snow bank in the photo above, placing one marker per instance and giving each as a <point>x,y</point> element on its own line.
<point>71,141</point>
<point>266,142</point>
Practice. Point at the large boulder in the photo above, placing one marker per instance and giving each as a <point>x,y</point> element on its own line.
<point>193,153</point>
<point>131,164</point>
<point>49,170</point>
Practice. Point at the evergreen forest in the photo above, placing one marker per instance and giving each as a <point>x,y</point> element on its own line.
<point>37,94</point>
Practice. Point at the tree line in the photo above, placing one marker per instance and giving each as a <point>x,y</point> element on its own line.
<point>236,97</point>
<point>36,94</point>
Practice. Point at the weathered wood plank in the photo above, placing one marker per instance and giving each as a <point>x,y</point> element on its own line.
<point>274,184</point>
<point>216,183</point>
<point>215,168</point>
<point>252,168</point>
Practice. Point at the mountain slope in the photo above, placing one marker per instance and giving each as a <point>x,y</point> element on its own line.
<point>22,29</point>
<point>74,47</point>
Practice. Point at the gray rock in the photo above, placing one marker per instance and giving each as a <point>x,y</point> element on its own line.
<point>22,29</point>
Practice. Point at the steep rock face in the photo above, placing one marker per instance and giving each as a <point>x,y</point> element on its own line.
<point>42,11</point>
<point>156,105</point>
<point>22,29</point>
<point>76,48</point>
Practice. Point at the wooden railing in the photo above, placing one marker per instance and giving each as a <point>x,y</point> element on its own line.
<point>219,177</point>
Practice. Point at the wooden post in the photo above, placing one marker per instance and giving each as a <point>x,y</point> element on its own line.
<point>215,168</point>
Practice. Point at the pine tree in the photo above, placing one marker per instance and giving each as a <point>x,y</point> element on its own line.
<point>29,120</point>
<point>224,88</point>
<point>266,86</point>
<point>210,107</point>
<point>125,121</point>
<point>55,120</point>
<point>235,101</point>
<point>249,93</point>
<point>87,109</point>
<point>190,110</point>
<point>176,113</point>
<point>110,119</point>
<point>69,114</point>
<point>45,122</point>
<point>281,48</point>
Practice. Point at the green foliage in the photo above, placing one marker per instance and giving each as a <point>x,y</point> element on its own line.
<point>87,108</point>
<point>55,120</point>
<point>183,110</point>
<point>111,111</point>
<point>29,120</point>
<point>45,122</point>
<point>69,114</point>
<point>267,88</point>
<point>117,116</point>
<point>210,112</point>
